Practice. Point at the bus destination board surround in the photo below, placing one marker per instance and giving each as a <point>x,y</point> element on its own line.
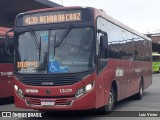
<point>52,17</point>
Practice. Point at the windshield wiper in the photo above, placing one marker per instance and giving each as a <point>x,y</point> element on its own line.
<point>63,36</point>
<point>35,39</point>
<point>37,44</point>
<point>40,49</point>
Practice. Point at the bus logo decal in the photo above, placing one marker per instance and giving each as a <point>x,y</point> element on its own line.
<point>31,91</point>
<point>47,83</point>
<point>48,92</point>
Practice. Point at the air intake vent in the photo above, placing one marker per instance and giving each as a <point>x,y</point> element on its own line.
<point>47,80</point>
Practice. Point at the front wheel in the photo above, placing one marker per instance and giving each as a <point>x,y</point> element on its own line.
<point>110,106</point>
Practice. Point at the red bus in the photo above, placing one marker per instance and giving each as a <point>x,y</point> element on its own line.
<point>6,64</point>
<point>76,58</point>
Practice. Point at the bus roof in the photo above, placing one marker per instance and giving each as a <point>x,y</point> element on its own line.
<point>48,9</point>
<point>99,12</point>
<point>114,21</point>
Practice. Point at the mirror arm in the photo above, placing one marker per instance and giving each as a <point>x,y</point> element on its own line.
<point>101,31</point>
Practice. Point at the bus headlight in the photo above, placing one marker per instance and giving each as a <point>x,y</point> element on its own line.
<point>88,87</point>
<point>84,90</point>
<point>16,87</point>
<point>19,91</point>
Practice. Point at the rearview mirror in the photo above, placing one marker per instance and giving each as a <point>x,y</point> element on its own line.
<point>7,40</point>
<point>104,41</point>
<point>103,46</point>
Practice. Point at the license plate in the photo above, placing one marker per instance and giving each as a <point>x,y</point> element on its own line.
<point>47,103</point>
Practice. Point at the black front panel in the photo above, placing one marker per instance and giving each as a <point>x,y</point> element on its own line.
<point>48,80</point>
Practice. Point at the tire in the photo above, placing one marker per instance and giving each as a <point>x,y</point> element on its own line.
<point>139,95</point>
<point>110,106</point>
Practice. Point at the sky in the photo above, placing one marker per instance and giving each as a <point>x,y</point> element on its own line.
<point>141,15</point>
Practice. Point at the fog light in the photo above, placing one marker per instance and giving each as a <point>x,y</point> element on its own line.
<point>28,102</point>
<point>68,102</point>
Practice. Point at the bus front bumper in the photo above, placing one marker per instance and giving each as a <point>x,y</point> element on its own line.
<point>71,103</point>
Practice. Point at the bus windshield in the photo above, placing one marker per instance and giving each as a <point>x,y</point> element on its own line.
<point>72,54</point>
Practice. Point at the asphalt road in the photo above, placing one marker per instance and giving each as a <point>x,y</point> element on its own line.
<point>150,102</point>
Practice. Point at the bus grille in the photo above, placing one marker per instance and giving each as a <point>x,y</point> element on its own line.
<point>39,80</point>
